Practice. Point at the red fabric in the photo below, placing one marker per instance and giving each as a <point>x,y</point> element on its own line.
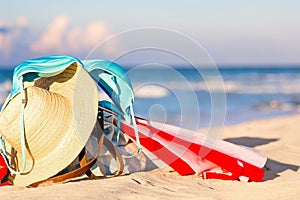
<point>230,164</point>
<point>218,175</point>
<point>160,151</point>
<point>255,174</point>
<point>226,162</point>
<point>3,171</point>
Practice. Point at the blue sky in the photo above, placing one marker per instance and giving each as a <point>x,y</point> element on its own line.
<point>232,32</point>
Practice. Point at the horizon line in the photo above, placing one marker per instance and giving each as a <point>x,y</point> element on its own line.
<point>224,65</point>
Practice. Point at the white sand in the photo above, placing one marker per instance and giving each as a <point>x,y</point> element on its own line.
<point>277,138</point>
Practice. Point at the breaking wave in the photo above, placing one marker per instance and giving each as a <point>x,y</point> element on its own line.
<point>267,86</point>
<point>151,91</point>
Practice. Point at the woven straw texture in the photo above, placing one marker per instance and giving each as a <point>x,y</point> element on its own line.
<point>60,114</point>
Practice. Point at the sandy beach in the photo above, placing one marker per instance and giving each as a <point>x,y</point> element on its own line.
<point>277,138</point>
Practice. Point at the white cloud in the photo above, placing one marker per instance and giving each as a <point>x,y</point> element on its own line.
<point>18,41</point>
<point>5,43</point>
<point>10,34</point>
<point>53,37</point>
<point>61,36</point>
<point>95,33</point>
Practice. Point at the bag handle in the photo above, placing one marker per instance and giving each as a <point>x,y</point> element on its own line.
<point>85,166</point>
<point>75,173</point>
<point>113,150</point>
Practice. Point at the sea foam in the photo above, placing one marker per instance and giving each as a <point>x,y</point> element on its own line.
<point>267,86</point>
<point>151,91</point>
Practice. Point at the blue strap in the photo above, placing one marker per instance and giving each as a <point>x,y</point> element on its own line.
<point>112,107</point>
<point>113,80</point>
<point>22,129</point>
<point>22,135</point>
<point>137,138</point>
<point>108,105</point>
<point>3,153</point>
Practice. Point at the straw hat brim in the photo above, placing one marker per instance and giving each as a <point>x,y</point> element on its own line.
<point>60,115</point>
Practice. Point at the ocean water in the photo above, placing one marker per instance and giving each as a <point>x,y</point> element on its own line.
<point>187,98</point>
<point>197,99</point>
<point>5,84</point>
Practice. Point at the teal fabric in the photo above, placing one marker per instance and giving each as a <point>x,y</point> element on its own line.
<point>109,76</point>
<point>113,80</point>
<point>31,70</point>
<point>108,105</point>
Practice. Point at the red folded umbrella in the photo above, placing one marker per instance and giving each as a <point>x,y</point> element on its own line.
<point>160,151</point>
<point>193,156</point>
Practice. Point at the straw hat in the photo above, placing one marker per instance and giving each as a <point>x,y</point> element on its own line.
<point>59,116</point>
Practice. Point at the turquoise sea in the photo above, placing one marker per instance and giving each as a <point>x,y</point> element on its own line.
<point>181,96</point>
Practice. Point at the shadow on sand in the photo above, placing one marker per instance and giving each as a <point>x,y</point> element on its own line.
<point>272,167</point>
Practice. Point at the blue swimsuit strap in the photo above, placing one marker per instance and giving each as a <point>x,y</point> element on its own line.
<point>108,105</point>
<point>114,81</point>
